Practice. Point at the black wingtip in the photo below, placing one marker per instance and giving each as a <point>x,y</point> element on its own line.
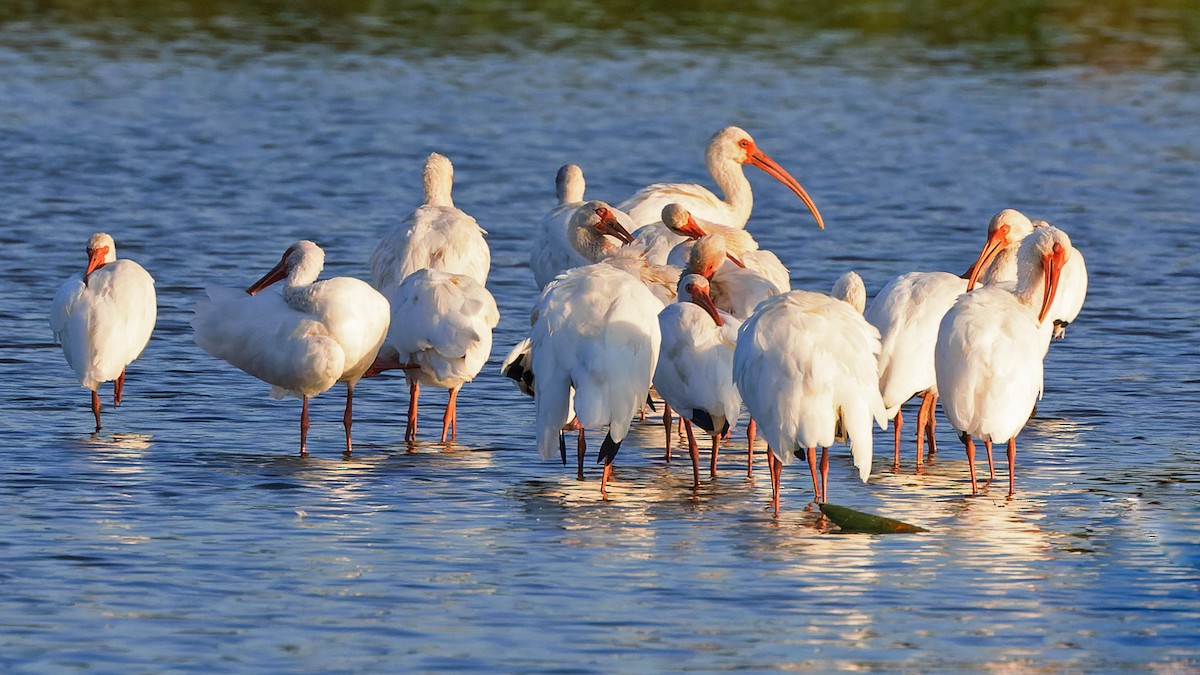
<point>562,447</point>
<point>608,450</point>
<point>703,420</point>
<point>650,402</point>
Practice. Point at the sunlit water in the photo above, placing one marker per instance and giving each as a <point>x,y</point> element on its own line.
<point>188,534</point>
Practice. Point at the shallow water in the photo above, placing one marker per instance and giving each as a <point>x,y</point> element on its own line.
<point>188,535</point>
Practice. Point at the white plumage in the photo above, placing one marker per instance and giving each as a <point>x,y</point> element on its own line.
<point>739,245</point>
<point>805,364</point>
<point>434,236</point>
<point>727,151</point>
<point>103,318</point>
<point>442,323</point>
<point>907,312</point>
<point>559,244</point>
<point>737,290</point>
<point>301,340</point>
<point>850,289</point>
<point>1072,290</point>
<point>694,374</point>
<point>990,348</point>
<point>595,330</point>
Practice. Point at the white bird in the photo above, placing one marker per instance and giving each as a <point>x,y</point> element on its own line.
<point>737,290</point>
<point>1072,290</point>
<point>805,364</point>
<point>441,323</point>
<point>694,374</point>
<point>558,244</point>
<point>728,150</point>
<point>103,318</point>
<point>302,340</point>
<point>595,331</point>
<point>990,349</point>
<point>437,235</point>
<point>593,233</point>
<point>907,312</point>
<point>850,289</point>
<point>739,245</point>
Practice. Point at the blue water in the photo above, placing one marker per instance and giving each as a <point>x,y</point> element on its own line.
<point>188,535</point>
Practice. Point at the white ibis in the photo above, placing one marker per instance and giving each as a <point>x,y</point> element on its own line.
<point>805,364</point>
<point>595,331</point>
<point>1072,290</point>
<point>437,235</point>
<point>728,150</point>
<point>559,244</point>
<point>990,348</point>
<point>302,340</point>
<point>739,245</point>
<point>103,318</point>
<point>694,374</point>
<point>441,324</point>
<point>907,312</point>
<point>737,290</point>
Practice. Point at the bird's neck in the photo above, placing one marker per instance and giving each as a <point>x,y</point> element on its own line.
<point>592,245</point>
<point>735,190</point>
<point>1003,267</point>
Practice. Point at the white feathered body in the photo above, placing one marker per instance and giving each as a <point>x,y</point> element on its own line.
<point>302,340</point>
<point>805,364</point>
<point>907,312</point>
<point>442,323</point>
<point>595,330</point>
<point>438,237</point>
<point>104,325</point>
<point>989,363</point>
<point>695,364</point>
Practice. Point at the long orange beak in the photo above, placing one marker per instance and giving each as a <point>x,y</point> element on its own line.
<point>991,249</point>
<point>761,160</point>
<point>611,226</point>
<point>701,297</point>
<point>95,261</point>
<point>735,260</point>
<point>277,273</point>
<point>1052,266</point>
<point>692,229</point>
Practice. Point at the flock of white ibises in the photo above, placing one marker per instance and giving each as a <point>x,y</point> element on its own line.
<point>666,291</point>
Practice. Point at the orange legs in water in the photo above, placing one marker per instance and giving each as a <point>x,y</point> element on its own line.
<point>96,408</point>
<point>410,429</point>
<point>926,429</point>
<point>694,452</point>
<point>118,388</point>
<point>667,428</point>
<point>348,415</point>
<point>304,426</point>
<point>750,429</point>
<point>450,417</point>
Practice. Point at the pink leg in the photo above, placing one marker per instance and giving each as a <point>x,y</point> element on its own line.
<point>1012,466</point>
<point>604,478</point>
<point>119,388</point>
<point>667,428</point>
<point>971,464</point>
<point>96,408</point>
<point>897,424</point>
<point>776,468</point>
<point>694,452</point>
<point>410,429</point>
<point>922,423</point>
<point>304,427</point>
<point>581,449</point>
<point>716,446</point>
<point>824,475</point>
<point>348,415</point>
<point>750,429</point>
<point>449,418</point>
<point>812,469</point>
<point>987,444</point>
<point>931,421</point>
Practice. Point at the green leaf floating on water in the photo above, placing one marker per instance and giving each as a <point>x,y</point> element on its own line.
<point>857,521</point>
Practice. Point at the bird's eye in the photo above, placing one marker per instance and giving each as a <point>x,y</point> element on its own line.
<point>745,143</point>
<point>1058,248</point>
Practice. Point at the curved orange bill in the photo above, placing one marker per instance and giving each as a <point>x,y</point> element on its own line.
<point>1052,265</point>
<point>734,259</point>
<point>692,229</point>
<point>701,297</point>
<point>95,261</point>
<point>991,249</point>
<point>611,226</point>
<point>277,273</point>
<point>761,160</point>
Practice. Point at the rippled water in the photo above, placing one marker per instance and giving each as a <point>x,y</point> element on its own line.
<point>188,535</point>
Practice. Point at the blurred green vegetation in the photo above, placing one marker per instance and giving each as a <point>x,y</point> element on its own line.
<point>1031,32</point>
